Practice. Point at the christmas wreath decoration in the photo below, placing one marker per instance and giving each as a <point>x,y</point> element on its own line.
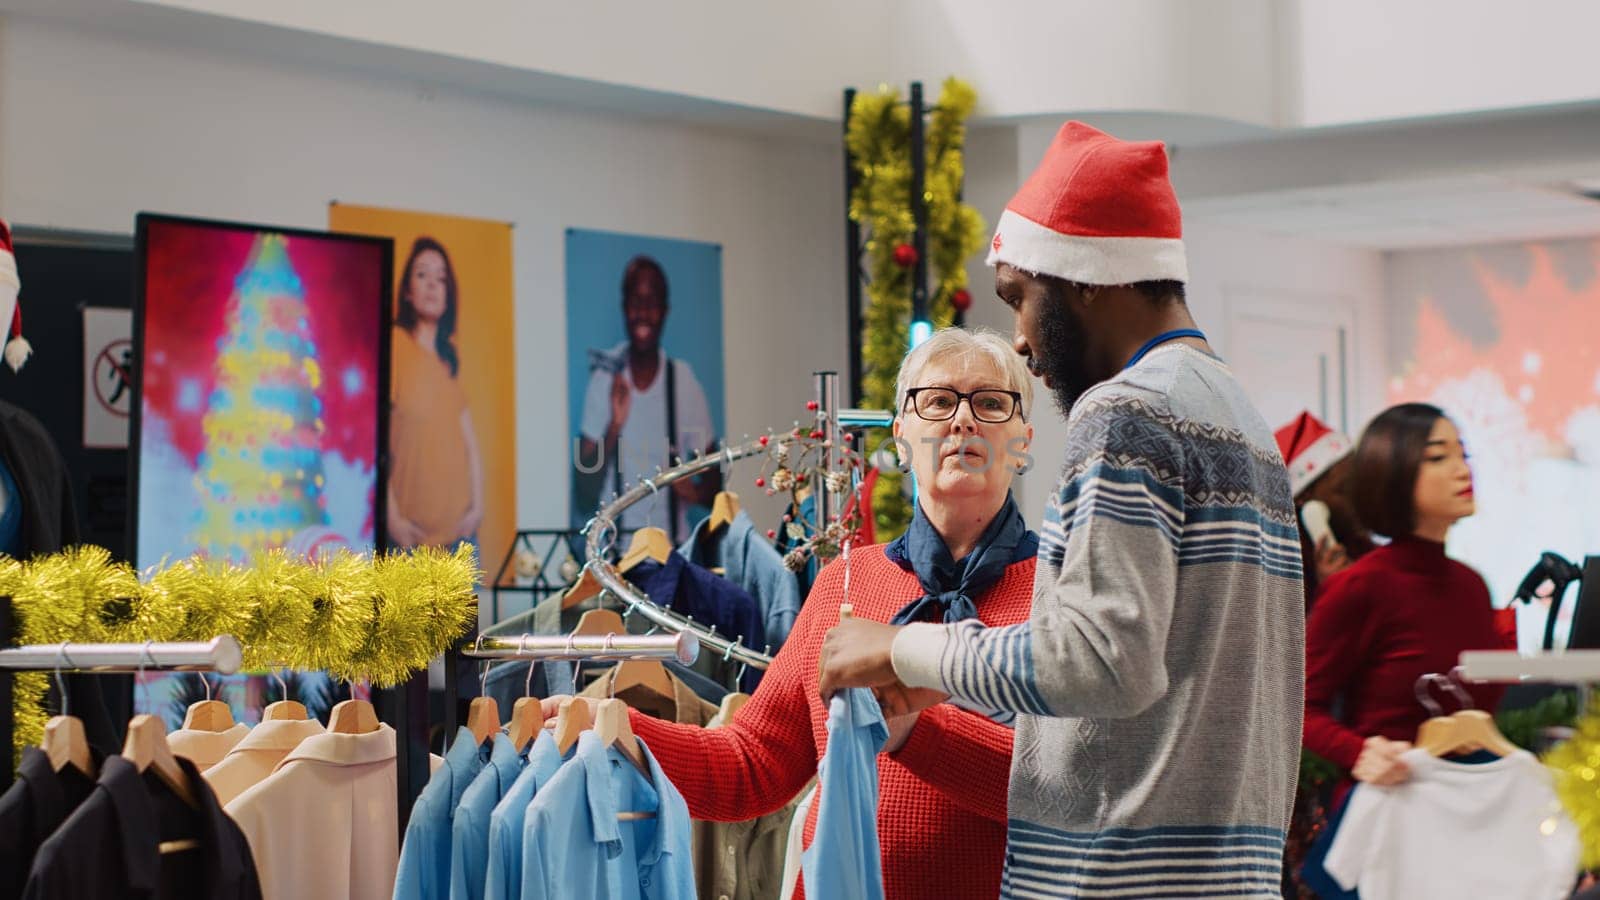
<point>879,140</point>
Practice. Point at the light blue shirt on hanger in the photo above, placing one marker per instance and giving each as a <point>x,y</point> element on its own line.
<point>424,872</point>
<point>844,861</point>
<point>574,846</point>
<point>469,833</point>
<point>504,881</point>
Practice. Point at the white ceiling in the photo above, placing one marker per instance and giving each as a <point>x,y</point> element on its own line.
<point>1410,214</point>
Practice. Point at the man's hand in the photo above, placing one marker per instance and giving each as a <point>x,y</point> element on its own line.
<point>859,653</point>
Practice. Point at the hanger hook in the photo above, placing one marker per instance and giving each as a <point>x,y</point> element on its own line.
<point>522,650</point>
<point>606,647</point>
<point>283,687</point>
<point>144,654</point>
<point>61,684</point>
<point>207,682</point>
<point>1457,689</point>
<point>728,653</point>
<point>572,653</point>
<point>1425,697</point>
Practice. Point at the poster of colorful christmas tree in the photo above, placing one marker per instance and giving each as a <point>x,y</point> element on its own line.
<point>259,390</point>
<point>260,477</point>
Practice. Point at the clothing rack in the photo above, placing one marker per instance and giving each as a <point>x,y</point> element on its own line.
<point>1549,666</point>
<point>602,530</point>
<point>220,654</point>
<point>683,647</point>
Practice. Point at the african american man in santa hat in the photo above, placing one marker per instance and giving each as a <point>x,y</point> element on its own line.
<point>1157,685</point>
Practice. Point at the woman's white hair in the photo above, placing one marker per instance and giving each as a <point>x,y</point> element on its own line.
<point>956,345</point>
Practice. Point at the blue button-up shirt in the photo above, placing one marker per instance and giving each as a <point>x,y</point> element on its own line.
<point>424,872</point>
<point>844,861</point>
<point>504,881</point>
<point>749,560</point>
<point>469,833</point>
<point>574,846</point>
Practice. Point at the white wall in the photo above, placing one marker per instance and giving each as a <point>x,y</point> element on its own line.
<point>1365,60</point>
<point>94,129</point>
<point>1307,280</point>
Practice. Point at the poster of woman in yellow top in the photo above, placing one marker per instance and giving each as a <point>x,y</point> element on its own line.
<point>436,486</point>
<point>452,444</point>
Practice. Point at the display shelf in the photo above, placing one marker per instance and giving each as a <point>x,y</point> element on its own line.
<point>1568,666</point>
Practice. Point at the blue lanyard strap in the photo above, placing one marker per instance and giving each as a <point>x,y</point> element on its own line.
<point>1160,339</point>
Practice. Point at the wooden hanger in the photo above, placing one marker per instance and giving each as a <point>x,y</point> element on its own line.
<point>483,718</point>
<point>612,727</point>
<point>600,622</point>
<point>649,542</point>
<point>1465,730</point>
<point>208,715</point>
<point>65,744</point>
<point>649,674</point>
<point>352,717</point>
<point>285,710</point>
<point>1462,732</point>
<point>147,748</point>
<point>585,587</point>
<point>723,509</point>
<point>731,704</point>
<point>572,719</point>
<point>526,720</point>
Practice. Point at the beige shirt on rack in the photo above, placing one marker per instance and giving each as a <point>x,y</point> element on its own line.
<point>324,823</point>
<point>206,748</point>
<point>732,860</point>
<point>253,759</point>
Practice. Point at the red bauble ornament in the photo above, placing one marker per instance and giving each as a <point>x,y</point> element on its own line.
<point>771,534</point>
<point>961,300</point>
<point>761,482</point>
<point>763,439</point>
<point>816,435</point>
<point>905,256</point>
<point>811,405</point>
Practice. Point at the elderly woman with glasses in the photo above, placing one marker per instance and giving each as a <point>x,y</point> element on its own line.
<point>962,431</point>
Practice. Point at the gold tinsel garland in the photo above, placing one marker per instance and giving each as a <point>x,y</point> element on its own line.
<point>358,618</point>
<point>879,141</point>
<point>1576,764</point>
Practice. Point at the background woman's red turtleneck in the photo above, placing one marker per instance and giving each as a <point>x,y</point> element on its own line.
<point>1402,611</point>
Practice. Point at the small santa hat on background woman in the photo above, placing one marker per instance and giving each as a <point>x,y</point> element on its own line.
<point>1097,210</point>
<point>1310,448</point>
<point>17,349</point>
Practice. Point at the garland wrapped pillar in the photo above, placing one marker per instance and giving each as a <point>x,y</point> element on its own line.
<point>879,146</point>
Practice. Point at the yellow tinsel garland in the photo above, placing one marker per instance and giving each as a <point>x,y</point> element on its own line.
<point>879,139</point>
<point>1576,765</point>
<point>358,618</point>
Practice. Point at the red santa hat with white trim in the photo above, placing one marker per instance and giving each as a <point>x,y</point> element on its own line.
<point>17,349</point>
<point>1310,448</point>
<point>1097,210</point>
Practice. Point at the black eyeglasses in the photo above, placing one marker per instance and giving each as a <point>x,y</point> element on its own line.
<point>938,404</point>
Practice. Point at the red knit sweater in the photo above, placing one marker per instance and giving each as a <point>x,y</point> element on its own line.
<point>942,796</point>
<point>1402,611</point>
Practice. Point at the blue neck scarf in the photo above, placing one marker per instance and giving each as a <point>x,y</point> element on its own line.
<point>949,587</point>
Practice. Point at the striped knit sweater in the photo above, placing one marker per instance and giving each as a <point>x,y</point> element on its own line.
<point>1158,681</point>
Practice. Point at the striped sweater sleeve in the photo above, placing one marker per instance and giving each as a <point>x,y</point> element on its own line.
<point>1107,580</point>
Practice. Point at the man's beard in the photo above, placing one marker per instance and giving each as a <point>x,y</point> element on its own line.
<point>1062,354</point>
